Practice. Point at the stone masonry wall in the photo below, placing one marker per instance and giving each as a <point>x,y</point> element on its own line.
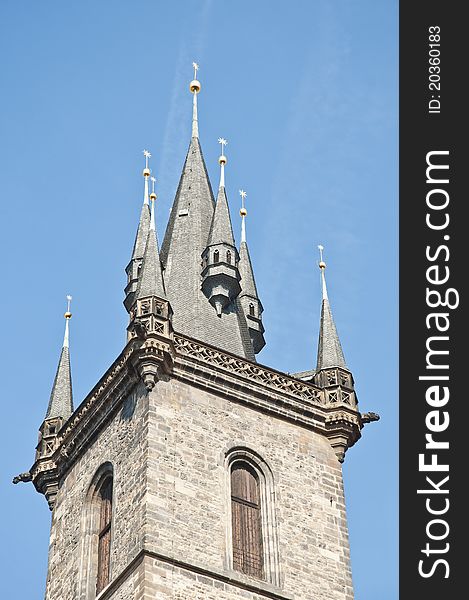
<point>124,444</point>
<point>171,501</point>
<point>190,432</point>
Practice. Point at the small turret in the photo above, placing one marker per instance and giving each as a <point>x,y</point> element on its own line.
<point>248,298</point>
<point>220,275</point>
<point>332,372</point>
<point>61,398</point>
<point>151,312</point>
<point>59,410</point>
<point>133,268</point>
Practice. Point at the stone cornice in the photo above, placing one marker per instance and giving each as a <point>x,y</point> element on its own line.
<point>265,378</point>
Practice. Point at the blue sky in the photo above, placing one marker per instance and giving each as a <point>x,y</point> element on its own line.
<point>306,94</point>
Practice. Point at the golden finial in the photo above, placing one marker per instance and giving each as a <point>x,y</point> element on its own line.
<point>243,212</point>
<point>146,170</point>
<point>222,158</point>
<point>322,264</point>
<point>194,85</point>
<point>68,314</point>
<point>153,193</point>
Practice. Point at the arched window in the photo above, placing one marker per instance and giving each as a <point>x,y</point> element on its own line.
<point>228,257</point>
<point>252,545</point>
<point>251,309</point>
<point>216,256</point>
<point>104,535</point>
<point>96,534</point>
<point>248,554</point>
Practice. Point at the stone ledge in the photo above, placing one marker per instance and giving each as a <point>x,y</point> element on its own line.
<point>228,577</point>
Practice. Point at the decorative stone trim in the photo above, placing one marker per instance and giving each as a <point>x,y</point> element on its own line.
<point>246,369</point>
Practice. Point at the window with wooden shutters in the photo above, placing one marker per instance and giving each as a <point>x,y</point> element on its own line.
<point>104,535</point>
<point>248,553</point>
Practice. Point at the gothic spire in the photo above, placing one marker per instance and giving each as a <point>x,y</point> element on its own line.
<point>143,226</point>
<point>330,352</point>
<point>248,298</point>
<point>186,238</point>
<point>221,230</point>
<point>61,401</point>
<point>151,278</point>
<point>248,284</point>
<point>134,265</point>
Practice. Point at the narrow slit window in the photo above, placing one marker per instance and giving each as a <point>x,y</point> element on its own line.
<point>104,535</point>
<point>228,257</point>
<point>216,256</point>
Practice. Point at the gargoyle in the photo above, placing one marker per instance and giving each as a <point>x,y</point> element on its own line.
<point>140,330</point>
<point>24,477</point>
<point>369,417</point>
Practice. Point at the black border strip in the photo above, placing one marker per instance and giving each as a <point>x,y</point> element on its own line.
<point>433,122</point>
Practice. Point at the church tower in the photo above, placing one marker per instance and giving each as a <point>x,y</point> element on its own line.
<point>190,470</point>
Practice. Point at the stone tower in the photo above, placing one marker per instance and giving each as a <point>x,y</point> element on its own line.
<point>190,471</point>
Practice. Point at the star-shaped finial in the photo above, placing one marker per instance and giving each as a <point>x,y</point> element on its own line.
<point>320,248</point>
<point>223,142</point>
<point>147,155</point>
<point>69,299</point>
<point>243,195</point>
<point>196,68</point>
<point>153,181</point>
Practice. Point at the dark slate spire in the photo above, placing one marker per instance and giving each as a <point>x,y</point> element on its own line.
<point>61,401</point>
<point>151,312</point>
<point>330,352</point>
<point>248,284</point>
<point>221,231</point>
<point>133,268</point>
<point>150,281</point>
<point>248,298</point>
<point>185,240</point>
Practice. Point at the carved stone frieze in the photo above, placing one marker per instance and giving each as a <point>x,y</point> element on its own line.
<point>249,370</point>
<point>337,395</point>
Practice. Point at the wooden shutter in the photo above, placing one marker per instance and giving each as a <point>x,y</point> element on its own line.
<point>104,536</point>
<point>248,554</point>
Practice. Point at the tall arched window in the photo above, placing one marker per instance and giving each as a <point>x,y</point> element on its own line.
<point>96,534</point>
<point>104,535</point>
<point>228,257</point>
<point>216,256</point>
<point>248,553</point>
<point>252,544</point>
<point>251,309</point>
